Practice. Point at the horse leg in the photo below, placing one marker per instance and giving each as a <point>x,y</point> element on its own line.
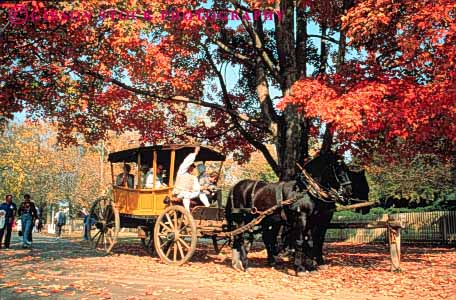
<point>239,257</point>
<point>269,235</point>
<point>236,255</point>
<point>249,243</point>
<point>303,261</point>
<point>318,235</point>
<point>243,252</point>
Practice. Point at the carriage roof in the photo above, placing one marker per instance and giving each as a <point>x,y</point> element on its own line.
<point>182,150</point>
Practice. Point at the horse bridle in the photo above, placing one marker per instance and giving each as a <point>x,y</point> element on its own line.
<point>342,183</point>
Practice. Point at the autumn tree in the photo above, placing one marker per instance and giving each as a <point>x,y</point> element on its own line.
<point>139,65</point>
<point>32,162</point>
<point>423,177</point>
<point>400,99</point>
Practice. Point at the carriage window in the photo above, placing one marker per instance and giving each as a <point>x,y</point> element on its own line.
<point>125,175</point>
<point>162,173</point>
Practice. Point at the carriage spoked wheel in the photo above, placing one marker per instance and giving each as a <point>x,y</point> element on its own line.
<point>105,225</point>
<point>175,235</point>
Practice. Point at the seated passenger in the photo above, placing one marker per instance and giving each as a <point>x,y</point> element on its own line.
<point>125,179</point>
<point>187,186</point>
<point>209,185</point>
<point>148,179</point>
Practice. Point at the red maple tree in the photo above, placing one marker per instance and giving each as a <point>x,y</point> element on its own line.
<point>120,65</point>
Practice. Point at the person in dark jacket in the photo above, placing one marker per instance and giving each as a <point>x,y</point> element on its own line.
<point>28,213</point>
<point>9,208</point>
<point>86,224</point>
<point>60,219</point>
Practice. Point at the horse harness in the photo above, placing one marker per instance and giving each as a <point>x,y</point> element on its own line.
<point>312,187</point>
<point>278,196</point>
<point>261,214</point>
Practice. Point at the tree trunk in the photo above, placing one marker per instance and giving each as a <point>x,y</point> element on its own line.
<point>292,135</point>
<point>292,142</point>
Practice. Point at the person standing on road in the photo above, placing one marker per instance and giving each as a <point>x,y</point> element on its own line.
<point>60,219</point>
<point>27,212</point>
<point>9,213</point>
<point>86,224</point>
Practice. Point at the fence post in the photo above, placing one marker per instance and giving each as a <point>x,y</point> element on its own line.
<point>445,222</point>
<point>394,239</point>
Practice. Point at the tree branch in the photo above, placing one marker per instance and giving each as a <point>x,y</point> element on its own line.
<point>258,43</point>
<point>214,136</point>
<point>181,99</point>
<point>262,87</point>
<point>323,37</point>
<point>229,50</point>
<point>241,129</point>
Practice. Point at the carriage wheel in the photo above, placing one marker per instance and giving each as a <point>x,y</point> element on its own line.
<point>105,225</point>
<point>175,235</point>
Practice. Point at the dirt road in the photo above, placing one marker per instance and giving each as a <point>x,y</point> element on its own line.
<point>66,269</point>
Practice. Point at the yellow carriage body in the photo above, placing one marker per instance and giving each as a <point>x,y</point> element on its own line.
<point>139,201</point>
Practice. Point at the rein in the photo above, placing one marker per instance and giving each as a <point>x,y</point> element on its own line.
<point>319,192</point>
<point>260,217</point>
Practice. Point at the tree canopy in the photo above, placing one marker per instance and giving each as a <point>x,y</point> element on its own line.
<point>31,162</point>
<point>362,75</point>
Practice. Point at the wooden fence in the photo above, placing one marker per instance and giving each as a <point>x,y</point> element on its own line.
<point>420,227</point>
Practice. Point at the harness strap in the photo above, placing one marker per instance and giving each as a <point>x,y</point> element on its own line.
<point>261,215</point>
<point>230,196</point>
<point>252,194</point>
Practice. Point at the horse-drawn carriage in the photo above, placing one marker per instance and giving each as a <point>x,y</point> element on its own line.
<point>164,225</point>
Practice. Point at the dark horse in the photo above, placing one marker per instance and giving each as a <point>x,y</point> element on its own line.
<point>307,218</point>
<point>360,189</point>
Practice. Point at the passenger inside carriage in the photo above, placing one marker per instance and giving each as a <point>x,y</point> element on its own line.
<point>209,186</point>
<point>148,178</point>
<point>125,179</point>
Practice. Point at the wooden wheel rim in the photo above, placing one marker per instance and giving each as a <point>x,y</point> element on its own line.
<point>104,225</point>
<point>175,235</point>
